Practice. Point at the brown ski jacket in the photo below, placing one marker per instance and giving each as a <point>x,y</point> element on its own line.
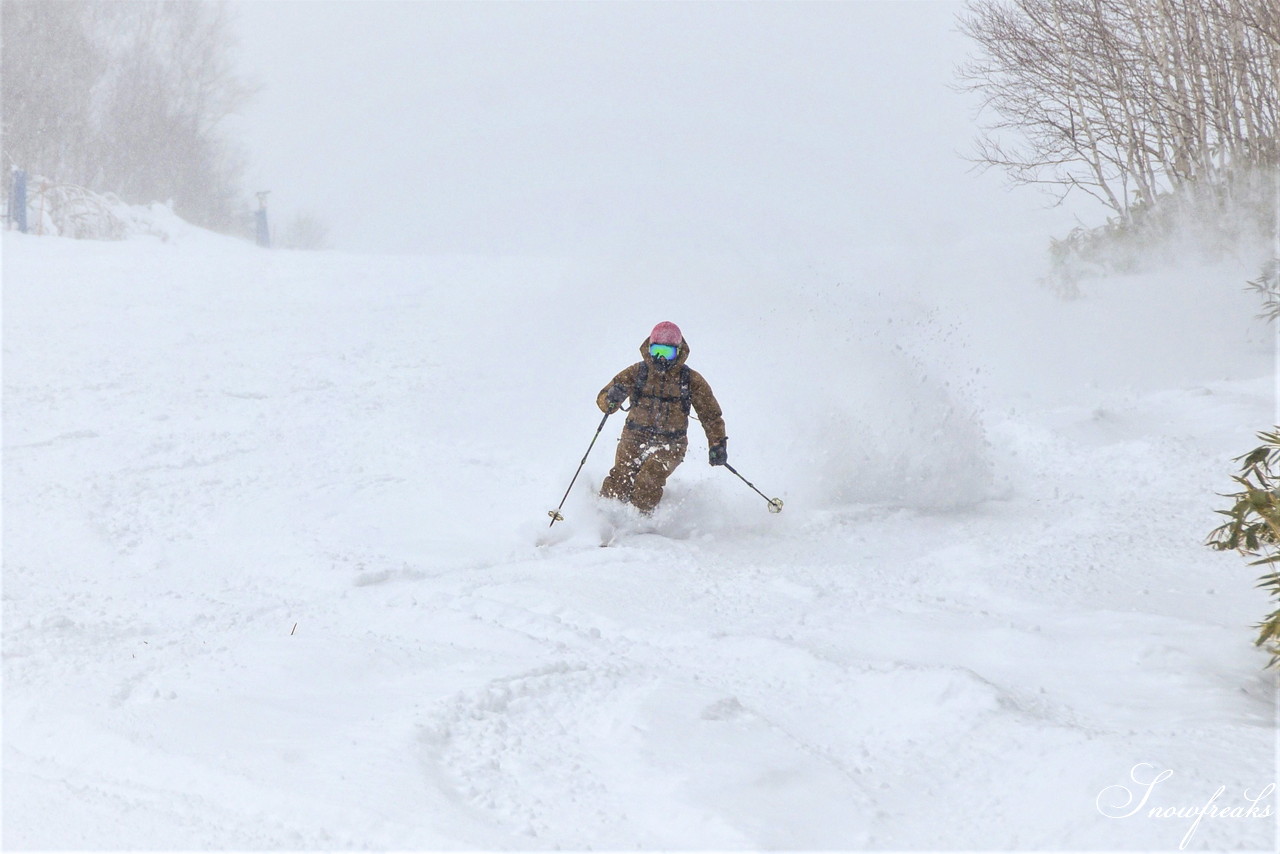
<point>661,399</point>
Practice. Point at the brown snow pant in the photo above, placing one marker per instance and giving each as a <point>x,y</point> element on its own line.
<point>642,466</point>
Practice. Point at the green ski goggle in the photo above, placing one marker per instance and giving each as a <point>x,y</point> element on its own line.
<point>663,351</point>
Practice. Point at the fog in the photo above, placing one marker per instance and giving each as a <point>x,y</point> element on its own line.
<point>794,130</point>
<point>278,517</point>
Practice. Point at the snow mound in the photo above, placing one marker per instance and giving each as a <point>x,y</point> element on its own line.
<point>66,210</point>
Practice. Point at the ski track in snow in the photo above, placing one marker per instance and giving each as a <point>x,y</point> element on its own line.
<point>274,579</point>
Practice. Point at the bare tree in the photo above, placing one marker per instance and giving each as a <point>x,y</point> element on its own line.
<point>48,67</point>
<point>1127,99</point>
<point>170,87</point>
<point>127,98</point>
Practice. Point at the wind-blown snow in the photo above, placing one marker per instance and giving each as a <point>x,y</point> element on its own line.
<point>277,572</point>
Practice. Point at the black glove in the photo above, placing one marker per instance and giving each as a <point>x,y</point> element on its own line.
<point>614,399</point>
<point>719,453</point>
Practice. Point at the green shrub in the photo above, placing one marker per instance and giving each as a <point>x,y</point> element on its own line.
<point>1253,528</point>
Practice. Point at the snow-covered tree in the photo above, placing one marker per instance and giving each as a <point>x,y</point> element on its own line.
<point>49,67</point>
<point>127,98</point>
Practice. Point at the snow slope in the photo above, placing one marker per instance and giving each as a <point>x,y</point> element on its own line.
<point>277,572</point>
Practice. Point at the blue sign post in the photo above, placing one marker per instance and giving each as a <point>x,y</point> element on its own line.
<point>260,221</point>
<point>18,200</point>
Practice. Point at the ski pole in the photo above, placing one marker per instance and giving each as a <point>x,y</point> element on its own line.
<point>555,514</point>
<point>775,504</point>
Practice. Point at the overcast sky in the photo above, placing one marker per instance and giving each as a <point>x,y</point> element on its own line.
<point>574,128</point>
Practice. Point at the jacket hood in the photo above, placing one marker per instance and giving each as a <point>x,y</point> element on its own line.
<point>680,356</point>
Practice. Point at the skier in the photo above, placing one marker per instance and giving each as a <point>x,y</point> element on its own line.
<point>663,390</point>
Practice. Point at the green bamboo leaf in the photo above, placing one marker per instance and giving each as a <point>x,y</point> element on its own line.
<point>1252,527</point>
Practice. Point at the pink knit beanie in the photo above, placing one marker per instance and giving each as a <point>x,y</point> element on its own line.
<point>666,332</point>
